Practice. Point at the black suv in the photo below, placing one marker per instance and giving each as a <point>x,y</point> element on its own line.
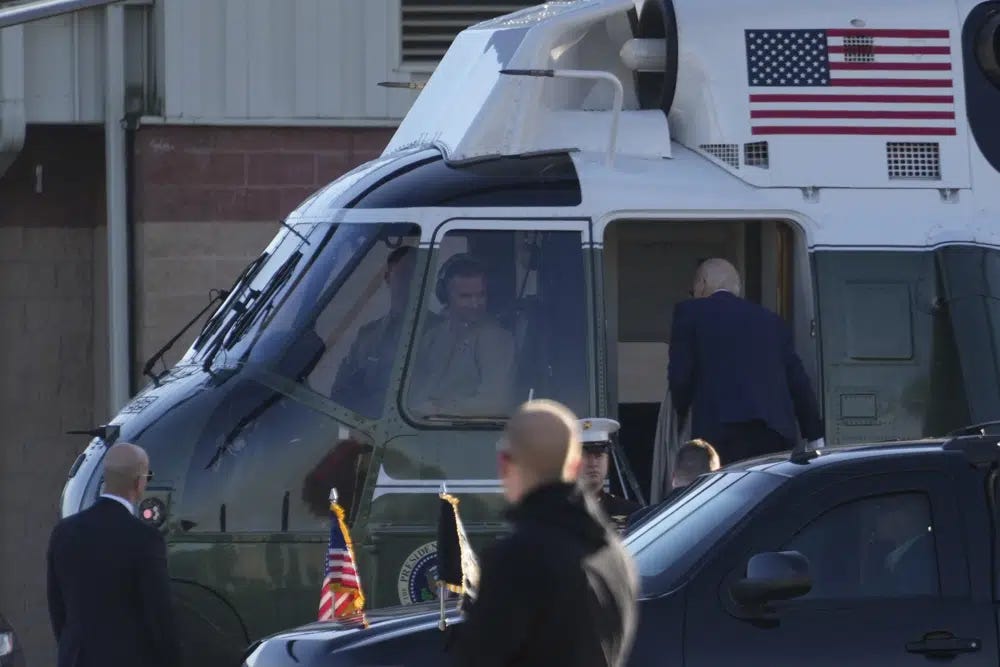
<point>872,555</point>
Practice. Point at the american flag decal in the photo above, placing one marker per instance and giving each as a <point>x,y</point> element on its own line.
<point>341,596</point>
<point>851,82</point>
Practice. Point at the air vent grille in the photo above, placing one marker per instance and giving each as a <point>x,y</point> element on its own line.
<point>907,160</point>
<point>756,155</point>
<point>859,49</point>
<point>728,153</point>
<point>429,28</point>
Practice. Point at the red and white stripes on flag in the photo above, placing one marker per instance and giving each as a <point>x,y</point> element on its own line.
<point>851,82</point>
<point>340,587</point>
<point>341,596</point>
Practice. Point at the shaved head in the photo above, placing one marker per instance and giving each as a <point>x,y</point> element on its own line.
<point>125,468</point>
<point>543,442</point>
<point>717,274</point>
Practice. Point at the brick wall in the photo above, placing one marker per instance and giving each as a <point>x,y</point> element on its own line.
<point>48,334</point>
<point>207,201</point>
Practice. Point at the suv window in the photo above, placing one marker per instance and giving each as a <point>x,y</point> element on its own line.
<point>667,543</point>
<point>880,546</point>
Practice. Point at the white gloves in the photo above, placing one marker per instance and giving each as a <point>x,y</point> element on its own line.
<point>819,443</point>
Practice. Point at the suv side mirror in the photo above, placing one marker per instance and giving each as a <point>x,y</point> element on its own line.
<point>772,576</point>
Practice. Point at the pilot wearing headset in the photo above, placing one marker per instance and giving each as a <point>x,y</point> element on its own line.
<point>464,363</point>
<point>363,376</point>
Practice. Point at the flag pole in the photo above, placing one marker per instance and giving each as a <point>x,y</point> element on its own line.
<point>442,623</point>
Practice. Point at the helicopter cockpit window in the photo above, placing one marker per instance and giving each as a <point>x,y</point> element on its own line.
<point>262,284</point>
<point>505,319</point>
<point>266,463</point>
<point>361,283</point>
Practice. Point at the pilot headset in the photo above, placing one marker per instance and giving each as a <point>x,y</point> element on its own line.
<point>462,260</point>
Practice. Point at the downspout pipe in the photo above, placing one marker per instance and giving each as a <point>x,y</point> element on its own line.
<point>131,127</point>
<point>119,326</point>
<point>12,118</point>
<point>43,9</point>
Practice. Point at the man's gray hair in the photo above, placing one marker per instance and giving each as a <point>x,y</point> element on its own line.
<point>719,274</point>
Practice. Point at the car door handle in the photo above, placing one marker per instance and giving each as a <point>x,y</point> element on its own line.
<point>943,645</point>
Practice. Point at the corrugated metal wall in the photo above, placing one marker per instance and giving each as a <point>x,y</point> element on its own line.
<point>64,69</point>
<point>282,59</point>
<point>256,61</point>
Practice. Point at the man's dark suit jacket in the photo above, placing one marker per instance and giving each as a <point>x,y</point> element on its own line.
<point>732,361</point>
<point>109,592</point>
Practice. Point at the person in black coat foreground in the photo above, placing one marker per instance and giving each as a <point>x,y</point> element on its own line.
<point>560,590</point>
<point>108,588</point>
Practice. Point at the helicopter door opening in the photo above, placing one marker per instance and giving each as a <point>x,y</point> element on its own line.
<point>649,267</point>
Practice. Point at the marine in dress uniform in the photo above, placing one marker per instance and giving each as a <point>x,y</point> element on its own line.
<point>595,434</point>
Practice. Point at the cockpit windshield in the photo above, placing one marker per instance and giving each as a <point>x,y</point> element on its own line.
<point>338,331</point>
<point>256,292</point>
<point>503,318</point>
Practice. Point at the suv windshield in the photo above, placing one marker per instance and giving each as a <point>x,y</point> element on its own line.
<point>668,543</point>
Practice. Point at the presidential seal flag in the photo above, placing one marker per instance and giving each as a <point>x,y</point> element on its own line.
<point>457,566</point>
<point>341,597</point>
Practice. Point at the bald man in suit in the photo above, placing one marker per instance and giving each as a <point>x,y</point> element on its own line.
<point>108,588</point>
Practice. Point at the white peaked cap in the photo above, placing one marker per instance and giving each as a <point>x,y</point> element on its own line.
<point>597,429</point>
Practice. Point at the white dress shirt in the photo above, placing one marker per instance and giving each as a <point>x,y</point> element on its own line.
<point>126,504</point>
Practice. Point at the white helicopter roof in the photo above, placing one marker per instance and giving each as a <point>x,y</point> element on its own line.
<point>778,93</point>
<point>469,109</point>
<point>893,170</point>
<point>688,187</point>
<point>685,187</point>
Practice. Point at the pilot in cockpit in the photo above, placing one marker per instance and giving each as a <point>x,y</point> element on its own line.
<point>465,361</point>
<point>363,376</point>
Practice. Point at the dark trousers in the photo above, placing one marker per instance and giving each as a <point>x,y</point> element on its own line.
<point>745,440</point>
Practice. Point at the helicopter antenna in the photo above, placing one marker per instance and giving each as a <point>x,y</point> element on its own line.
<point>585,74</point>
<point>410,85</point>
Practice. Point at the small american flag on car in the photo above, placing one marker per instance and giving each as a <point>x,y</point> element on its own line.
<point>851,82</point>
<point>341,597</point>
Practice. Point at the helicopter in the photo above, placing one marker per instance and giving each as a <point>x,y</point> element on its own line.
<point>526,233</point>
